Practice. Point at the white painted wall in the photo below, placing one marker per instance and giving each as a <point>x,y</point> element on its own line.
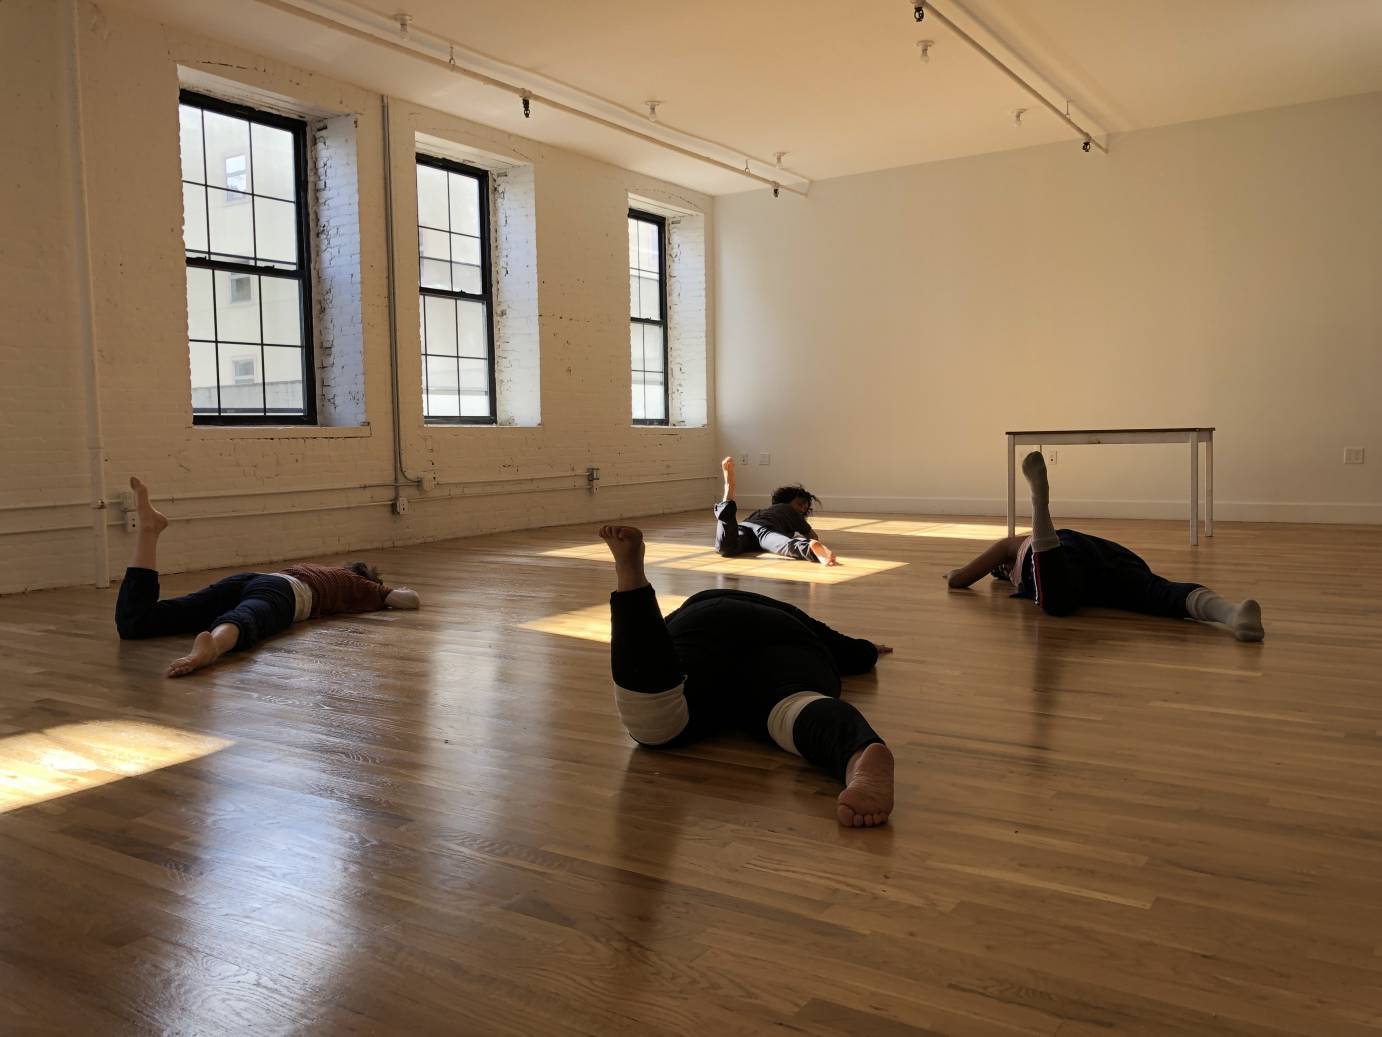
<point>245,496</point>
<point>879,337</point>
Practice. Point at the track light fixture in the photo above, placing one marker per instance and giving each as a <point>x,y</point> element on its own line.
<point>918,10</point>
<point>1085,146</point>
<point>527,104</point>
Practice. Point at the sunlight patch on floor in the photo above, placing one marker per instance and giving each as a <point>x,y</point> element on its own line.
<point>592,624</point>
<point>41,765</point>
<point>913,528</point>
<point>668,555</point>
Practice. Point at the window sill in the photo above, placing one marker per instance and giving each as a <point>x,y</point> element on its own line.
<point>667,429</point>
<point>284,431</point>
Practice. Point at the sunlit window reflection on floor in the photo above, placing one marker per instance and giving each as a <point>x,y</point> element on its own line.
<point>592,624</point>
<point>913,528</point>
<point>42,765</point>
<point>665,555</point>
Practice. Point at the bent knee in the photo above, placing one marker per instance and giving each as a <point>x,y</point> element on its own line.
<point>1058,607</point>
<point>652,719</point>
<point>130,631</point>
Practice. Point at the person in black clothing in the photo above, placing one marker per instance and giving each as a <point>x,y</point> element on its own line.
<point>729,659</point>
<point>780,528</point>
<point>1063,570</point>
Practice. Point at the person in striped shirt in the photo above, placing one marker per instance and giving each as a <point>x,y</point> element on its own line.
<point>1063,570</point>
<point>238,611</point>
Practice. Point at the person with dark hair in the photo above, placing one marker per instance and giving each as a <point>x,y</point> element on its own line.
<point>1063,570</point>
<point>729,659</point>
<point>780,528</point>
<point>241,610</point>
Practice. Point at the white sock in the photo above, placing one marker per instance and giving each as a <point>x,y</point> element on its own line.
<point>1245,618</point>
<point>1043,529</point>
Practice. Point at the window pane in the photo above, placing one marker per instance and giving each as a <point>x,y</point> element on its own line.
<point>232,229</point>
<point>473,328</point>
<point>474,388</point>
<point>226,137</point>
<point>194,218</point>
<point>652,348</point>
<point>465,204</point>
<point>190,135</point>
<point>653,399</point>
<point>283,380</point>
<point>273,162</point>
<point>649,255</point>
<point>434,273</point>
<point>443,390</point>
<point>203,357</point>
<point>242,379</point>
<point>465,278</point>
<point>633,244</point>
<point>200,317</point>
<point>649,301</point>
<point>465,264</point>
<point>636,346</point>
<point>638,411</point>
<point>634,309</point>
<point>235,321</point>
<point>440,325</point>
<point>431,197</point>
<point>433,244</point>
<point>275,231</point>
<point>282,310</point>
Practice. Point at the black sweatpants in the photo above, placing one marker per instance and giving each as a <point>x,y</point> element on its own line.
<point>736,655</point>
<point>1089,571</point>
<point>257,604</point>
<point>733,537</point>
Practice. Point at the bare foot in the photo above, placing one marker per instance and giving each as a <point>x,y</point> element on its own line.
<point>626,544</point>
<point>1247,621</point>
<point>823,554</point>
<point>952,579</point>
<point>883,649</point>
<point>150,518</point>
<point>727,466</point>
<point>204,653</point>
<point>867,799</point>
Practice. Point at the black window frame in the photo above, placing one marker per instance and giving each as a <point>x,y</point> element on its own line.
<point>660,222</point>
<point>485,295</point>
<point>303,274</point>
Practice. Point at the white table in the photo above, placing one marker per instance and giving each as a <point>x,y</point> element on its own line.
<point>1192,437</point>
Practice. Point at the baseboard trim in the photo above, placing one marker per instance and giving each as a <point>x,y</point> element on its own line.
<point>1224,510</point>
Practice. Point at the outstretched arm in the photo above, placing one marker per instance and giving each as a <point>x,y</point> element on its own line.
<point>402,598</point>
<point>997,553</point>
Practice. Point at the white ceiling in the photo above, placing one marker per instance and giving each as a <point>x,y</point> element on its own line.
<point>838,83</point>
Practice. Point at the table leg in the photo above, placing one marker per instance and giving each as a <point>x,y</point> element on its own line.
<point>1209,486</point>
<point>1012,486</point>
<point>1194,489</point>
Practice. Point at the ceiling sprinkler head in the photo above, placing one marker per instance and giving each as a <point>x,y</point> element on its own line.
<point>924,49</point>
<point>652,110</point>
<point>404,21</point>
<point>1018,113</point>
<point>778,156</point>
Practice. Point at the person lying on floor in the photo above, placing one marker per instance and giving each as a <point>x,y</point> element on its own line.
<point>729,659</point>
<point>241,610</point>
<point>781,528</point>
<point>1063,570</point>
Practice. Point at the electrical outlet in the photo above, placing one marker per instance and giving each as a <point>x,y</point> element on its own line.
<point>1051,455</point>
<point>131,522</point>
<point>127,500</point>
<point>1353,455</point>
<point>765,457</point>
<point>400,505</point>
<point>743,459</point>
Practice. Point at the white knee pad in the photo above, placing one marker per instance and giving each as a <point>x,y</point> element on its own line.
<point>783,718</point>
<point>652,719</point>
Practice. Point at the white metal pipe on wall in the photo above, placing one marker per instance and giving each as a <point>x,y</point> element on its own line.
<point>86,302</point>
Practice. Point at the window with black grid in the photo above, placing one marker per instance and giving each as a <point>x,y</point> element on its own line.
<point>648,317</point>
<point>454,284</point>
<point>244,230</point>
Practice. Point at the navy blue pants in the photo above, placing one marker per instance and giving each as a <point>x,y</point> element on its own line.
<point>733,537</point>
<point>740,654</point>
<point>257,604</point>
<point>1089,571</point>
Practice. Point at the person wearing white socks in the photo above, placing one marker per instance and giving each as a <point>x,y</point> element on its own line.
<point>1063,570</point>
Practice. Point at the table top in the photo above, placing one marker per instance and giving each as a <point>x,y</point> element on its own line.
<point>1103,431</point>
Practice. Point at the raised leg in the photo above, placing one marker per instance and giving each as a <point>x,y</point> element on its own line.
<point>1194,489</point>
<point>1012,486</point>
<point>1209,485</point>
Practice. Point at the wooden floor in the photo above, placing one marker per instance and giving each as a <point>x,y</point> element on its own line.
<point>417,823</point>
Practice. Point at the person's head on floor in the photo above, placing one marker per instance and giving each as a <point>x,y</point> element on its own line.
<point>366,570</point>
<point>798,496</point>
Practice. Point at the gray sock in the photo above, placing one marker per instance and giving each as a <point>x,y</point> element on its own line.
<point>1043,529</point>
<point>1244,618</point>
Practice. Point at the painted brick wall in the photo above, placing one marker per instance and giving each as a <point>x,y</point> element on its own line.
<point>251,495</point>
